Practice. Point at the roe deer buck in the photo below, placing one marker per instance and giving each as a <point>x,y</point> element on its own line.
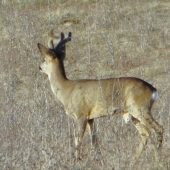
<point>85,100</point>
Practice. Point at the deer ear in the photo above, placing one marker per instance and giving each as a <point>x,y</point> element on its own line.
<point>47,53</point>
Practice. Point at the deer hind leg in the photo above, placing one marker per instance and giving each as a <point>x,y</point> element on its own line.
<point>145,117</point>
<point>151,124</point>
<point>144,133</point>
<point>81,127</point>
<point>92,131</point>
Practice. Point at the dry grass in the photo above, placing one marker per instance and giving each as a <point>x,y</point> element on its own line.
<point>110,38</point>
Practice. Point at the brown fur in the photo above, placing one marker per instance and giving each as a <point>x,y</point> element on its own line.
<point>85,100</point>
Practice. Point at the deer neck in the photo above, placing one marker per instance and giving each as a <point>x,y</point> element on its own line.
<point>58,80</point>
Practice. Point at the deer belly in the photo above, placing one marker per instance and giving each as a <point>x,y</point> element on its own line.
<point>99,111</point>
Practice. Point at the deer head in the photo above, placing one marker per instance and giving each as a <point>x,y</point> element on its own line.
<point>53,56</point>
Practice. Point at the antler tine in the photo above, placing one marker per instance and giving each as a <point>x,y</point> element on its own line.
<point>62,36</point>
<point>62,41</point>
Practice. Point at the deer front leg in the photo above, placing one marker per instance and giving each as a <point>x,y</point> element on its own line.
<point>92,132</point>
<point>81,127</point>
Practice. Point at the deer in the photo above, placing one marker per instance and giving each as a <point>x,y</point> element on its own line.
<point>87,99</point>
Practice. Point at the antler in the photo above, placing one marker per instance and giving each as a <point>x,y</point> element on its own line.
<point>60,48</point>
<point>62,42</point>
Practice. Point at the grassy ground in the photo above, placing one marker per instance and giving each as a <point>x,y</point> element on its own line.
<point>110,39</point>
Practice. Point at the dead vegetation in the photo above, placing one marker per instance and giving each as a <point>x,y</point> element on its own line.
<point>110,39</point>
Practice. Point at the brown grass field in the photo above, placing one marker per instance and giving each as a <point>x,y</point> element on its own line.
<point>111,38</point>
